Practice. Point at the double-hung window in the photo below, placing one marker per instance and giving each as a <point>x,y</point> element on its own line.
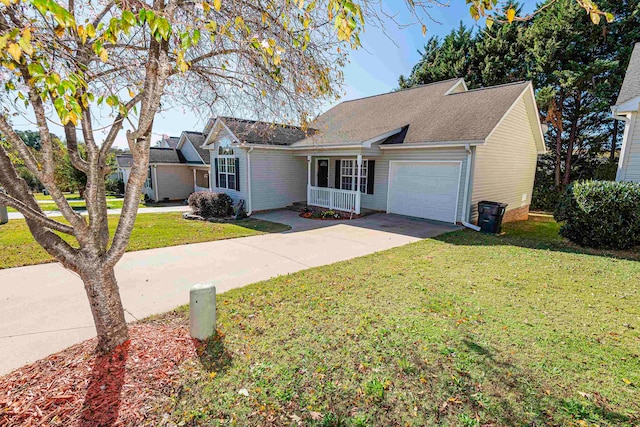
<point>226,165</point>
<point>349,175</point>
<point>227,172</point>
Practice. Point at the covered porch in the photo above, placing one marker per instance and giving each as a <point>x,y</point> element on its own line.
<point>201,178</point>
<point>341,190</point>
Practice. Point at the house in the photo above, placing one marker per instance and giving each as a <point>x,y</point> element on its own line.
<point>177,168</point>
<point>431,151</point>
<point>626,109</point>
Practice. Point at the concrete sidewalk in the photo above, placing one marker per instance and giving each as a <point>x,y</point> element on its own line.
<point>161,209</point>
<point>43,308</point>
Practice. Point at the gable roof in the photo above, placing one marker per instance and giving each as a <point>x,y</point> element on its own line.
<point>165,155</point>
<point>258,132</point>
<point>197,139</point>
<point>432,113</point>
<point>172,141</point>
<point>631,84</point>
<point>156,155</point>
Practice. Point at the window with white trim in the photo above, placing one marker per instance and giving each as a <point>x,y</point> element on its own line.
<point>227,172</point>
<point>349,175</point>
<point>226,165</point>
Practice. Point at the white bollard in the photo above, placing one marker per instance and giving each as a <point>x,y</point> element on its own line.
<point>202,311</point>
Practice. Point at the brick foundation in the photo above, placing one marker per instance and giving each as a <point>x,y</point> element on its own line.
<point>519,214</point>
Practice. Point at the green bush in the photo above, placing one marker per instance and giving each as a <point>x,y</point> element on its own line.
<point>601,214</point>
<point>211,205</point>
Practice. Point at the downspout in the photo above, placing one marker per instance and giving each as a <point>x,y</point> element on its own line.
<point>155,182</point>
<point>466,204</point>
<point>249,202</point>
<point>627,120</point>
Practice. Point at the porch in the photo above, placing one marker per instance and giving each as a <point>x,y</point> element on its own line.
<point>201,180</point>
<point>350,176</point>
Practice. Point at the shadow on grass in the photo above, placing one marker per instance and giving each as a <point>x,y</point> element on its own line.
<point>544,241</point>
<point>212,353</point>
<point>511,389</point>
<point>102,400</point>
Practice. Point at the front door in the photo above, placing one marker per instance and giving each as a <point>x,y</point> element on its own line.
<point>323,173</point>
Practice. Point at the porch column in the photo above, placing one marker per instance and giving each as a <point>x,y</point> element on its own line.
<point>308,179</point>
<point>358,184</point>
<point>194,181</point>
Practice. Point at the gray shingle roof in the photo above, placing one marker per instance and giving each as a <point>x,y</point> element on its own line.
<point>124,160</point>
<point>197,139</point>
<point>631,84</point>
<point>430,114</point>
<point>257,132</point>
<point>156,155</point>
<point>173,141</point>
<point>165,155</point>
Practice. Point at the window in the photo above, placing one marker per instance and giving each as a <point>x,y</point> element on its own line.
<point>227,172</point>
<point>149,182</point>
<point>225,149</point>
<point>226,165</point>
<point>349,175</point>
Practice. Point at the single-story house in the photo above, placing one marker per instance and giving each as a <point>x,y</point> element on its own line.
<point>431,152</point>
<point>177,168</point>
<point>626,109</point>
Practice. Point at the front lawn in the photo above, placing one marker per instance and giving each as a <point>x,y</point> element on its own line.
<point>464,330</point>
<point>79,204</point>
<point>157,230</point>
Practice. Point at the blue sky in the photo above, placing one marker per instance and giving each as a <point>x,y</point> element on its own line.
<point>373,69</point>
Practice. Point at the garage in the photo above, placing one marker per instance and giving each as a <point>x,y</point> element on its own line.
<point>424,189</point>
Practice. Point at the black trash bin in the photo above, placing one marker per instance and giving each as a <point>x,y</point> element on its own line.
<point>490,216</point>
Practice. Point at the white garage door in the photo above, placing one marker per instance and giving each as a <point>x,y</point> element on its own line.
<point>424,189</point>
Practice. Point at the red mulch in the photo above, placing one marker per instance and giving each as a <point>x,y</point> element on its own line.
<point>77,387</point>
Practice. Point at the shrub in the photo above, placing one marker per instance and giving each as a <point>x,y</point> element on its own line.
<point>114,186</point>
<point>601,214</point>
<point>211,205</point>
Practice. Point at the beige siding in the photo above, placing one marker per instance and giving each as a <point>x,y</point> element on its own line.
<point>504,168</point>
<point>378,200</point>
<point>631,164</point>
<point>278,178</point>
<point>174,182</point>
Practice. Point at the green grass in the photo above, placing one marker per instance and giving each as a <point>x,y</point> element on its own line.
<point>18,248</point>
<point>76,205</point>
<point>68,196</point>
<point>464,330</point>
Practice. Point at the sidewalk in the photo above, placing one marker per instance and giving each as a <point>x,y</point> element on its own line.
<point>44,309</point>
<point>18,215</point>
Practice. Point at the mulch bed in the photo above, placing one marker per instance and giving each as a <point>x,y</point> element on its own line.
<point>77,387</point>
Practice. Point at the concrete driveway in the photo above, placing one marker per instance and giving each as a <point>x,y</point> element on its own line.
<point>43,308</point>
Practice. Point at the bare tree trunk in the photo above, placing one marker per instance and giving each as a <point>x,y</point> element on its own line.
<point>572,139</point>
<point>558,157</point>
<point>614,141</point>
<point>106,306</point>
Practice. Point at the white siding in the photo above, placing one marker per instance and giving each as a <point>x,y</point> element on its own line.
<point>504,168</point>
<point>631,166</point>
<point>278,179</point>
<point>189,152</point>
<point>174,182</point>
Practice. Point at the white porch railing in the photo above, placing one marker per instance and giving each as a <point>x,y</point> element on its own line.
<point>332,198</point>
<point>196,188</point>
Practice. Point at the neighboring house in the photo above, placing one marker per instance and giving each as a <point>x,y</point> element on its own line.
<point>432,152</point>
<point>177,168</point>
<point>626,109</point>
